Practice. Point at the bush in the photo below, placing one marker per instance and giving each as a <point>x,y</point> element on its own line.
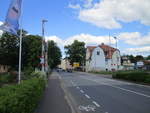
<point>21,98</point>
<point>136,76</point>
<point>7,78</point>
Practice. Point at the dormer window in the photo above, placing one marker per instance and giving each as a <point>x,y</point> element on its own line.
<point>98,53</point>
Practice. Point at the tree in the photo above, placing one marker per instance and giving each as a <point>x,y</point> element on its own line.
<point>31,51</point>
<point>9,50</point>
<point>54,54</point>
<point>139,58</point>
<point>132,58</point>
<point>148,57</point>
<point>76,52</point>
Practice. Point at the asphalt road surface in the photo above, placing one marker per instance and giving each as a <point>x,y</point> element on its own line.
<point>89,93</point>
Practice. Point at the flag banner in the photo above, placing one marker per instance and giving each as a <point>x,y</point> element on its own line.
<point>12,18</point>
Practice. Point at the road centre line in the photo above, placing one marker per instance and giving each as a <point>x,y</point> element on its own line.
<point>81,91</point>
<point>87,96</point>
<point>77,87</point>
<point>96,104</point>
<point>138,93</point>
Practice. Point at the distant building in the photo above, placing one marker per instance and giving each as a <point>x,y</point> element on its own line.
<point>65,64</point>
<point>4,68</point>
<point>126,63</point>
<point>102,58</point>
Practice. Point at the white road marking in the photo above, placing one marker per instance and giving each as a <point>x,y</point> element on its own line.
<point>138,93</point>
<point>81,91</point>
<point>141,94</point>
<point>87,96</point>
<point>78,88</point>
<point>96,104</point>
<point>87,108</point>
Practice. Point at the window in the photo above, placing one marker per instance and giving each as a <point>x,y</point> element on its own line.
<point>98,53</point>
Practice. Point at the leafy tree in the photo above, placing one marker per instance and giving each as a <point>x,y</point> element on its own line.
<point>9,49</point>
<point>31,51</point>
<point>132,58</point>
<point>54,54</point>
<point>139,58</point>
<point>148,57</point>
<point>76,52</point>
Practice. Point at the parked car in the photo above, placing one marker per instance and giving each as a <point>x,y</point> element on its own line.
<point>69,70</point>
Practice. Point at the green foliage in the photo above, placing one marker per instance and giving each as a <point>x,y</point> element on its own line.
<point>31,51</point>
<point>148,57</point>
<point>9,47</point>
<point>135,59</point>
<point>76,52</point>
<point>54,54</point>
<point>136,76</point>
<point>21,98</point>
<point>7,78</point>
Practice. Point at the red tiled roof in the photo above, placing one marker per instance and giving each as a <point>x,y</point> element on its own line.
<point>108,51</point>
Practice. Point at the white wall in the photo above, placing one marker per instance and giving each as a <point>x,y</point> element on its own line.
<point>116,60</point>
<point>97,61</point>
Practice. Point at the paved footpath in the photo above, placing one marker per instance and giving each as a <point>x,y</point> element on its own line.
<point>54,100</point>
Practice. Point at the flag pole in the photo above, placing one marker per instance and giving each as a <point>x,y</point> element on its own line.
<point>20,54</point>
<point>20,46</point>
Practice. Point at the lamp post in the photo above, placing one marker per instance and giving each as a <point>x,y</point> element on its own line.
<point>116,49</point>
<point>116,41</point>
<point>43,44</point>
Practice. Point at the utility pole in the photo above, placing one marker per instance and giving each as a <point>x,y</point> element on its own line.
<point>116,49</point>
<point>43,44</point>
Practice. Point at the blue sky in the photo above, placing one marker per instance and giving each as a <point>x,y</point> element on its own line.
<point>89,20</point>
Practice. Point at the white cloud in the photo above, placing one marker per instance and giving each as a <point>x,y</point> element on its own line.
<point>1,32</point>
<point>109,13</point>
<point>142,50</point>
<point>135,38</point>
<point>87,38</point>
<point>56,39</point>
<point>77,6</point>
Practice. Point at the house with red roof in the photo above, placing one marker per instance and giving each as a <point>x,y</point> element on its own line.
<point>102,58</point>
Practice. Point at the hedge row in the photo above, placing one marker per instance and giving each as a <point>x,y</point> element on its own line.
<point>137,76</point>
<point>21,98</point>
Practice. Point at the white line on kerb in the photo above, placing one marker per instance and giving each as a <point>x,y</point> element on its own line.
<point>87,96</point>
<point>81,91</point>
<point>138,93</point>
<point>96,104</point>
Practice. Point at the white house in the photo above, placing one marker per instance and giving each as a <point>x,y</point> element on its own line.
<point>102,58</point>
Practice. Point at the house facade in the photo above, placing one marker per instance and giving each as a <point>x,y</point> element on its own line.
<point>102,58</point>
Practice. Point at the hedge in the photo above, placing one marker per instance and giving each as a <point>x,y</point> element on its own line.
<point>21,98</point>
<point>136,76</point>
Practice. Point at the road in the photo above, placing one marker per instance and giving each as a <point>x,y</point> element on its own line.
<point>89,93</point>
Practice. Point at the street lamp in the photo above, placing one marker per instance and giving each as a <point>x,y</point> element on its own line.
<point>43,44</point>
<point>116,49</point>
<point>116,41</point>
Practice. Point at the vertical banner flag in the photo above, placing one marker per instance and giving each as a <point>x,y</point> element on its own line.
<point>11,24</point>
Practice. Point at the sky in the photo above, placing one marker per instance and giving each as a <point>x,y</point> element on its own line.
<point>91,21</point>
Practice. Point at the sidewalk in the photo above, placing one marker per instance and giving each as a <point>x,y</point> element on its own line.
<point>53,100</point>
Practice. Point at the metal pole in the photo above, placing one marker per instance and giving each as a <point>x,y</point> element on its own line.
<point>116,42</point>
<point>110,53</point>
<point>116,49</point>
<point>20,46</point>
<point>20,54</point>
<point>43,45</point>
